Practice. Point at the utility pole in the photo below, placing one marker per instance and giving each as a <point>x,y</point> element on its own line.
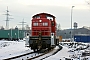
<point>71,21</point>
<point>7,18</point>
<point>22,23</point>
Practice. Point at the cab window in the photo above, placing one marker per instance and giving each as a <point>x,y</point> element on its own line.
<point>37,17</point>
<point>52,23</point>
<point>45,24</point>
<point>35,24</point>
<point>49,17</point>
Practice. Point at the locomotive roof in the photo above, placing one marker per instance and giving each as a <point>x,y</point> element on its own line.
<point>44,14</point>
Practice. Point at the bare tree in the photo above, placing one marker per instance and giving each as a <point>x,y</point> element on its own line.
<point>87,1</point>
<point>58,27</point>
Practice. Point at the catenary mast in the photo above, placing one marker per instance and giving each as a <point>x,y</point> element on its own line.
<point>7,18</point>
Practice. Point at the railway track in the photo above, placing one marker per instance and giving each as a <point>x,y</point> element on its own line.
<point>15,57</point>
<point>35,55</point>
<point>50,53</point>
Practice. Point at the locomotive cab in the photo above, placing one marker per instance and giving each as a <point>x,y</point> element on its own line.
<point>43,31</point>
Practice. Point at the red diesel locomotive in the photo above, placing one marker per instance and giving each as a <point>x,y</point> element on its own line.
<point>43,32</point>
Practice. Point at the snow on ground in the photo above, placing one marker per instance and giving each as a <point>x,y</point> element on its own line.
<point>64,53</point>
<point>12,48</point>
<point>60,55</point>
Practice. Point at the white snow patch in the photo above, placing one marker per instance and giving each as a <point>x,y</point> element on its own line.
<point>56,47</point>
<point>12,48</point>
<point>60,55</point>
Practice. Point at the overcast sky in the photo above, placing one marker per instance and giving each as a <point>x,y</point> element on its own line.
<point>20,9</point>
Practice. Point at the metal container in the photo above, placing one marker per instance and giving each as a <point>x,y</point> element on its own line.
<point>82,38</point>
<point>11,34</point>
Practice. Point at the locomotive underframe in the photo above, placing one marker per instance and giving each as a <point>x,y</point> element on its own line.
<point>37,42</point>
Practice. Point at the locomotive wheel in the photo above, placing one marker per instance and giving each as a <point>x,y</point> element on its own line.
<point>49,47</point>
<point>39,47</point>
<point>34,46</point>
<point>44,45</point>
